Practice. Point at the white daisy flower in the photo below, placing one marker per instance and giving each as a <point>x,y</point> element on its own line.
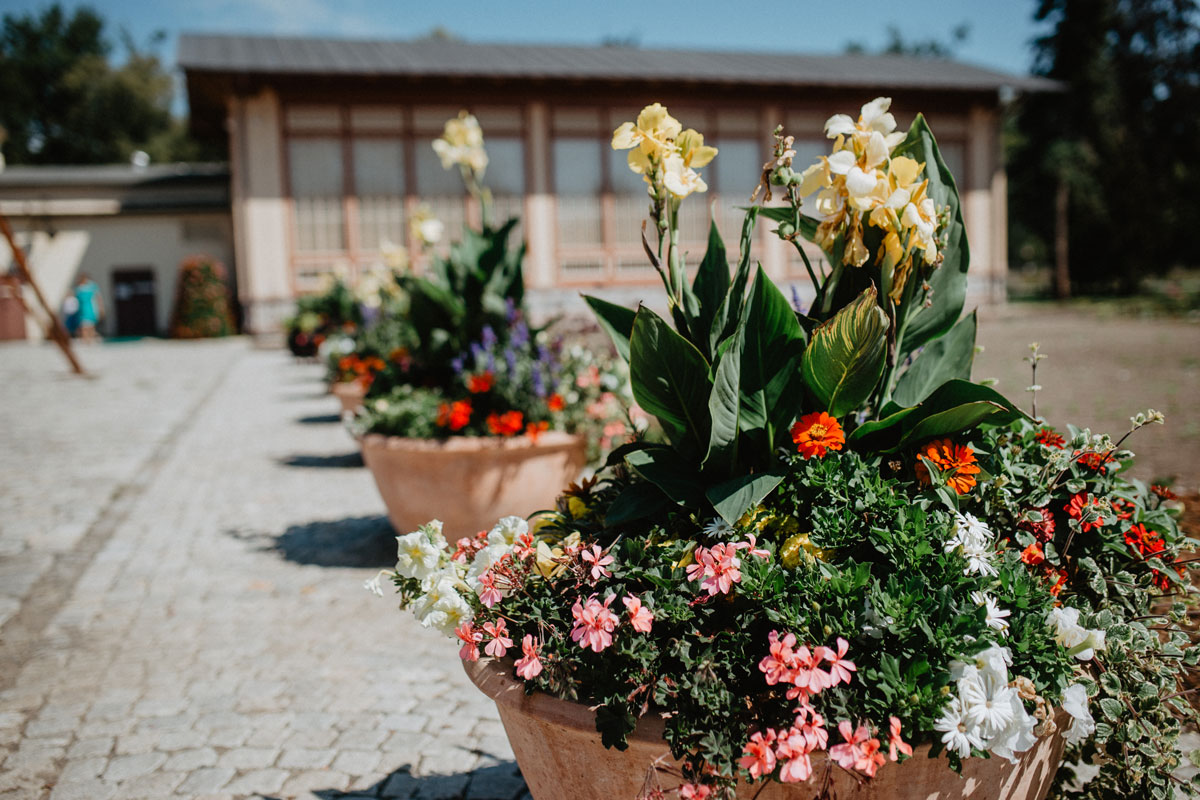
<point>958,734</point>
<point>996,618</point>
<point>718,527</point>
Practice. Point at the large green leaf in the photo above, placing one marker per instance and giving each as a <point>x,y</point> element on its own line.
<point>709,290</point>
<point>636,501</point>
<point>616,320</point>
<point>735,497</point>
<point>771,350</point>
<point>907,426</point>
<point>670,380</point>
<point>845,358</point>
<point>949,281</point>
<point>669,471</point>
<point>729,314</point>
<point>943,359</point>
<point>724,402</point>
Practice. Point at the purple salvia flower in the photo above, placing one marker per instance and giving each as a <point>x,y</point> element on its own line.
<point>488,336</point>
<point>510,358</point>
<point>539,385</point>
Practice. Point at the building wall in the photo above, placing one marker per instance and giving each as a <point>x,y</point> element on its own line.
<point>328,184</point>
<point>100,245</point>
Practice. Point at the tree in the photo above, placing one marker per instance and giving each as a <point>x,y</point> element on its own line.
<point>64,103</point>
<point>897,45</point>
<point>1104,171</point>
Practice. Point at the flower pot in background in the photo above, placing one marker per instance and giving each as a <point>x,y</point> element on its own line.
<point>349,393</point>
<point>560,755</point>
<point>468,482</point>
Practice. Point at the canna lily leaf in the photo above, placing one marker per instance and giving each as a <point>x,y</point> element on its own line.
<point>709,290</point>
<point>770,363</point>
<point>669,471</point>
<point>943,359</point>
<point>845,358</point>
<point>906,426</point>
<point>670,380</point>
<point>617,322</point>
<point>735,497</point>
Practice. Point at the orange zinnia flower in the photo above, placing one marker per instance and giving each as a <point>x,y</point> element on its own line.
<point>478,384</point>
<point>1050,438</point>
<point>454,416</point>
<point>956,462</point>
<point>816,434</point>
<point>535,429</point>
<point>555,402</point>
<point>509,423</point>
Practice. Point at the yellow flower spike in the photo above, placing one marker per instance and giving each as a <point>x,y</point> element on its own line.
<point>800,548</point>
<point>903,171</point>
<point>625,137</point>
<point>578,508</point>
<point>639,162</point>
<point>695,153</point>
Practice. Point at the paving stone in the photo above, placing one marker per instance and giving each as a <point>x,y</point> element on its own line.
<point>153,786</point>
<point>83,790</point>
<point>306,758</point>
<point>259,781</point>
<point>83,769</point>
<point>85,748</point>
<point>316,782</point>
<point>206,780</point>
<point>188,760</point>
<point>442,787</point>
<point>122,768</point>
<point>400,785</point>
<point>357,762</point>
<point>249,757</point>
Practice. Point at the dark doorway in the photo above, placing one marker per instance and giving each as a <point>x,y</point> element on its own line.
<point>133,301</point>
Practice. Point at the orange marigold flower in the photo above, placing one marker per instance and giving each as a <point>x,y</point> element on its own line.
<point>483,382</point>
<point>509,423</point>
<point>816,434</point>
<point>1050,438</point>
<point>535,429</point>
<point>1033,555</point>
<point>956,462</point>
<point>555,402</point>
<point>454,416</point>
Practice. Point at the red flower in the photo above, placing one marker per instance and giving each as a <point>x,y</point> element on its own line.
<point>509,423</point>
<point>1033,555</point>
<point>1122,508</point>
<point>816,434</point>
<point>1076,507</point>
<point>956,462</point>
<point>1164,492</point>
<point>454,416</point>
<point>535,429</point>
<point>555,402</point>
<point>1097,462</point>
<point>1050,438</point>
<point>478,384</point>
<point>1042,529</point>
<point>1059,577</point>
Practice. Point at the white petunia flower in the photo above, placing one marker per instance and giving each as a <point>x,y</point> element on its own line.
<point>987,703</point>
<point>420,553</point>
<point>958,734</point>
<point>507,530</point>
<point>1017,736</point>
<point>996,616</point>
<point>375,585</point>
<point>442,607</point>
<point>1075,703</point>
<point>1080,642</point>
<point>483,561</point>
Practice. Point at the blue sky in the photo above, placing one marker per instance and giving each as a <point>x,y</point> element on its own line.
<point>1000,30</point>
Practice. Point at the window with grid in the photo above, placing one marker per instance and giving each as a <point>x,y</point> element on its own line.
<point>316,181</point>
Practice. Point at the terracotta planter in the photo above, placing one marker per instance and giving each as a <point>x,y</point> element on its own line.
<point>469,482</point>
<point>560,755</point>
<point>350,394</point>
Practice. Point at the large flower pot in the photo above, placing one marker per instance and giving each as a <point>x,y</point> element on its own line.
<point>560,755</point>
<point>469,482</point>
<point>350,394</point>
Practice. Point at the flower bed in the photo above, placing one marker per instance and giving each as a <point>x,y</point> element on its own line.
<point>836,552</point>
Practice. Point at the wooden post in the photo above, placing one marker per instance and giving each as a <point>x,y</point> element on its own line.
<point>55,329</point>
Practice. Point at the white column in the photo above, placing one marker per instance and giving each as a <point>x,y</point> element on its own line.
<point>977,203</point>
<point>540,269</point>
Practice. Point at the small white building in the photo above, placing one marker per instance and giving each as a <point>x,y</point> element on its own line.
<point>127,227</point>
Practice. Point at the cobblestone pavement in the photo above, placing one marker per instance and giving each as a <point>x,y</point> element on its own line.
<point>184,543</point>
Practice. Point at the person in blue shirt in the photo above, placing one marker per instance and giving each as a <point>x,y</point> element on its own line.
<point>91,307</point>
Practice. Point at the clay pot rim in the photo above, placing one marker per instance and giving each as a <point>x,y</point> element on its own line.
<point>495,679</point>
<point>353,388</point>
<point>547,441</point>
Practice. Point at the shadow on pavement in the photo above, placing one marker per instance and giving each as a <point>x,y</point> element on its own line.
<point>496,782</point>
<point>338,461</point>
<point>350,542</point>
<point>319,419</point>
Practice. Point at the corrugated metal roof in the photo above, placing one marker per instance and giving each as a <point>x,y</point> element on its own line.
<point>115,175</point>
<point>317,56</point>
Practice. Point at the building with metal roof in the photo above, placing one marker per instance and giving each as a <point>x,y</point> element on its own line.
<point>330,147</point>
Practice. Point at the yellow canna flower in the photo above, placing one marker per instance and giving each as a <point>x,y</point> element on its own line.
<point>461,144</point>
<point>695,153</point>
<point>680,179</point>
<point>655,129</point>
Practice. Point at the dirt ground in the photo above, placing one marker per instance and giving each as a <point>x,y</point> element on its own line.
<point>1102,369</point>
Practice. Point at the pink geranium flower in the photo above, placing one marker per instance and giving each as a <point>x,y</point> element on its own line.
<point>806,677</point>
<point>640,617</point>
<point>752,546</point>
<point>718,568</point>
<point>811,725</point>
<point>694,791</point>
<point>500,642</point>
<point>489,595</point>
<point>758,756</point>
<point>597,558</point>
<point>471,637</point>
<point>860,751</point>
<point>779,665</point>
<point>791,751</point>
<point>839,668</point>
<point>594,623</point>
<point>895,743</point>
<point>530,665</point>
